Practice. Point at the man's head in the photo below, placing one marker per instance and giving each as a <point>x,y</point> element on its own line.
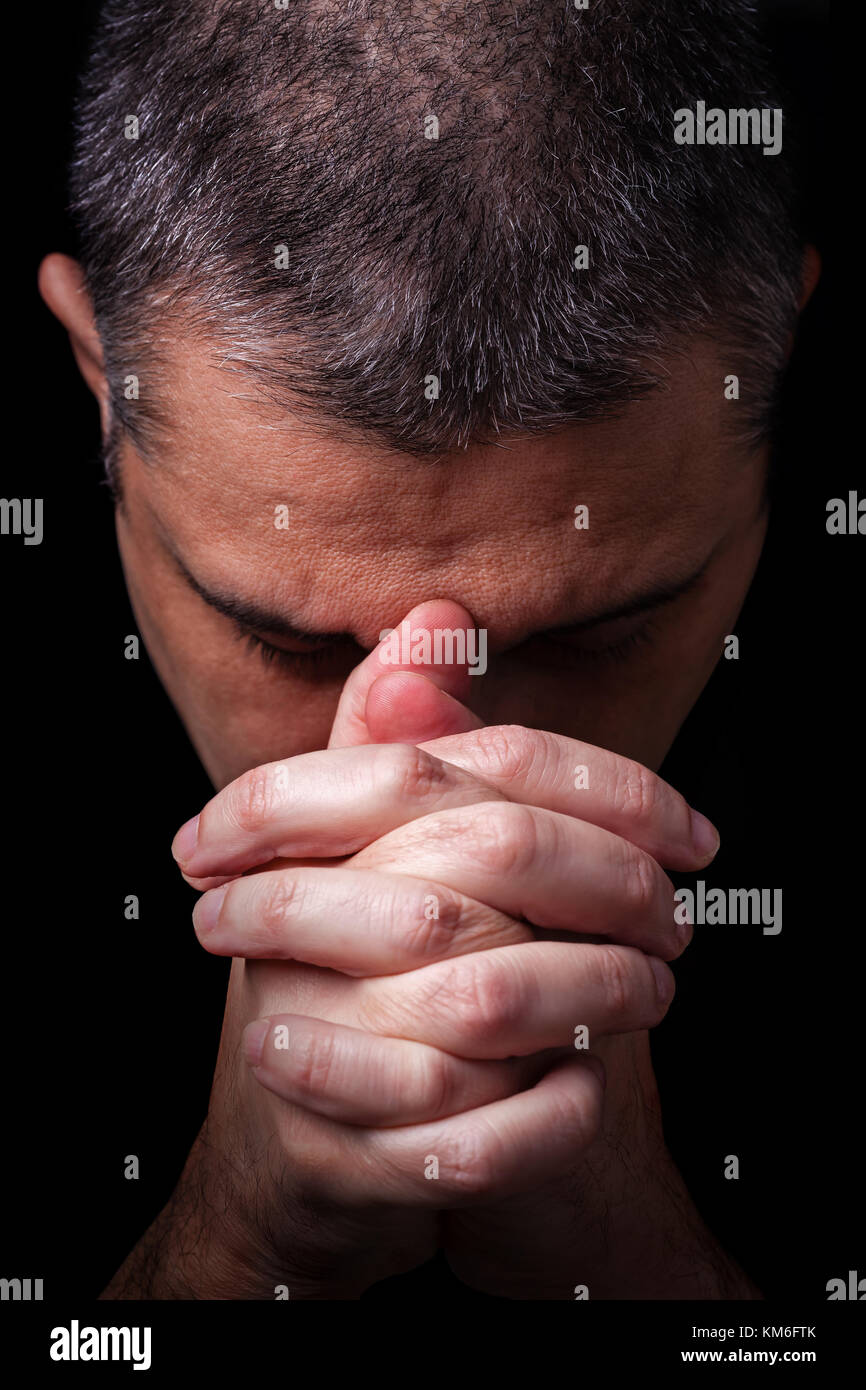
<point>335,268</point>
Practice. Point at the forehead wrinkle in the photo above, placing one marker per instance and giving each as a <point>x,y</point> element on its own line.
<point>360,592</point>
<point>366,496</point>
<point>530,566</point>
<point>502,516</point>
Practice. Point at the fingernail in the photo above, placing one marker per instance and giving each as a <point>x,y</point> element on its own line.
<point>665,985</point>
<point>184,843</point>
<point>705,836</point>
<point>596,1065</point>
<point>254,1040</point>
<point>206,912</point>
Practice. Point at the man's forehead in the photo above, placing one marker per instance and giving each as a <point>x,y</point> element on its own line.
<point>258,502</point>
<point>226,431</point>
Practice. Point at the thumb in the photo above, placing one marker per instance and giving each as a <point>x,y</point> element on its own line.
<point>390,700</point>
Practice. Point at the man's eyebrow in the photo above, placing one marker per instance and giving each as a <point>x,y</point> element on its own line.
<point>641,603</point>
<point>251,616</point>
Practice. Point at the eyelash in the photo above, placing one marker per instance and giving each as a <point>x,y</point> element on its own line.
<point>315,661</point>
<point>573,658</point>
<point>295,662</point>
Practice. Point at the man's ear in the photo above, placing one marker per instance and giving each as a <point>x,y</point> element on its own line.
<point>62,286</point>
<point>811,275</point>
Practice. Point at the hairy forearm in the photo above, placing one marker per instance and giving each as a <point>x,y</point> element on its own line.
<point>620,1224</point>
<point>613,1228</point>
<point>643,1237</point>
<point>203,1245</point>
<point>192,1250</point>
<point>229,1232</point>
<point>175,1259</point>
<point>647,1240</point>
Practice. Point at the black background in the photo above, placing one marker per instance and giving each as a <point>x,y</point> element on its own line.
<point>112,1026</point>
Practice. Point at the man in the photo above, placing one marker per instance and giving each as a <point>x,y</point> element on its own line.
<point>436,377</point>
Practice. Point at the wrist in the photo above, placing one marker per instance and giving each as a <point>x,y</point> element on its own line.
<point>645,1238</point>
<point>620,1221</point>
<point>206,1245</point>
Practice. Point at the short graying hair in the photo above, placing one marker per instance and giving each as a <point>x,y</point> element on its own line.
<point>409,257</point>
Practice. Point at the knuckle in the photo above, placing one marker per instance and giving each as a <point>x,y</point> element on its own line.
<point>502,836</point>
<point>574,1114</point>
<point>581,1121</point>
<point>477,998</point>
<point>426,936</point>
<point>312,1059</point>
<point>636,791</point>
<point>434,1087</point>
<point>280,899</point>
<point>415,774</point>
<point>509,750</point>
<point>638,881</point>
<point>255,796</point>
<point>470,1163</point>
<point>617,982</point>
